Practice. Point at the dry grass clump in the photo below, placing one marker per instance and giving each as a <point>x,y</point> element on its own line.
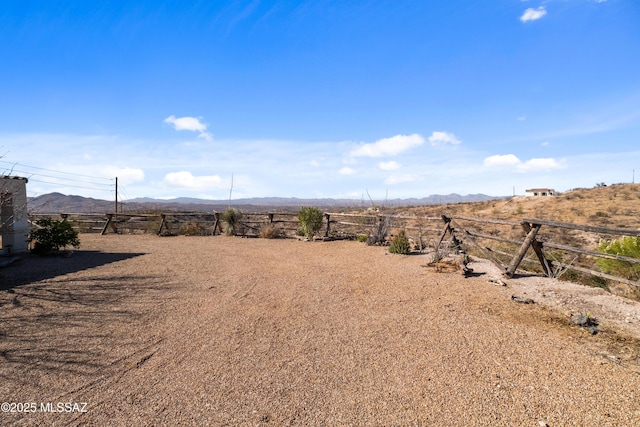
<point>192,228</point>
<point>270,231</point>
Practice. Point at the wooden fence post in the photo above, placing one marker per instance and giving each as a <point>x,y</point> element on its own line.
<point>484,251</point>
<point>448,229</point>
<point>216,224</point>
<point>517,259</point>
<point>104,229</point>
<point>328,217</point>
<point>162,222</point>
<point>109,222</point>
<point>537,248</point>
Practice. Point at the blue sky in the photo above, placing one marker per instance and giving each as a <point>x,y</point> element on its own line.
<point>319,98</point>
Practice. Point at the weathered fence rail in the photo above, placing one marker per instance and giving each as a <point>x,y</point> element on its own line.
<point>508,244</point>
<point>533,242</point>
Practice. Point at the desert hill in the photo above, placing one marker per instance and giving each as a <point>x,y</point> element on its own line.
<point>611,206</point>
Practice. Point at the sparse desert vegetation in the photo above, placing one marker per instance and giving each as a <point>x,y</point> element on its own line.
<point>615,206</point>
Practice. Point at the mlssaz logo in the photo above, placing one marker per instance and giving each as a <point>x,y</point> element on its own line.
<point>63,407</point>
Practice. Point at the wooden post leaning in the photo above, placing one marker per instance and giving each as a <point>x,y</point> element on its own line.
<point>517,259</point>
<point>537,248</point>
<point>109,222</point>
<point>485,251</point>
<point>216,223</point>
<point>162,223</point>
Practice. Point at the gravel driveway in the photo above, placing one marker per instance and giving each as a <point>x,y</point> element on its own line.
<point>151,331</point>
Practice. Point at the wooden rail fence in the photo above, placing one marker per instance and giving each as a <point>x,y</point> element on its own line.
<point>508,244</point>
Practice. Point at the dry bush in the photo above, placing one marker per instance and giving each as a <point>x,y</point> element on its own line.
<point>192,228</point>
<point>270,231</point>
<point>379,230</point>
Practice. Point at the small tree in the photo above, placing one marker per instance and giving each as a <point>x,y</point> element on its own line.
<point>53,235</point>
<point>310,221</point>
<point>627,246</point>
<point>381,223</point>
<point>379,230</point>
<point>400,244</point>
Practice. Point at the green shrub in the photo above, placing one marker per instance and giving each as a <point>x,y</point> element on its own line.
<point>400,244</point>
<point>310,221</point>
<point>627,246</point>
<point>363,238</point>
<point>51,235</point>
<point>231,221</point>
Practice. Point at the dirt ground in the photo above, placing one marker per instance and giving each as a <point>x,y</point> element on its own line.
<point>226,331</point>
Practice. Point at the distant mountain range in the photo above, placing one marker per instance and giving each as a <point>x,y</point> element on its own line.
<point>60,203</point>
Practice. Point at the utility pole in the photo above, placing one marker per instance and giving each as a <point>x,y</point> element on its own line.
<point>116,212</point>
<point>230,191</point>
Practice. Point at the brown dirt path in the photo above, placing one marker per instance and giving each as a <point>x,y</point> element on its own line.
<point>230,331</point>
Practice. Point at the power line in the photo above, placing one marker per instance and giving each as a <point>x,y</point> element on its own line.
<point>52,170</point>
<point>69,185</point>
<point>57,177</point>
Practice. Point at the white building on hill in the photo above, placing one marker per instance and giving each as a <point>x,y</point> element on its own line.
<point>14,224</point>
<point>540,192</point>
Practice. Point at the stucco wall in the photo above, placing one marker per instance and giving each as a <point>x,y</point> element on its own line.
<point>13,216</point>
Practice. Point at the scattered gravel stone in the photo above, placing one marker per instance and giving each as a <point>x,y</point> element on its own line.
<point>522,300</point>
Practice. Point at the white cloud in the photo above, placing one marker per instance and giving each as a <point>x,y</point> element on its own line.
<point>399,179</point>
<point>191,124</point>
<point>388,146</point>
<point>389,166</point>
<point>532,14</point>
<point>347,171</point>
<point>438,139</point>
<point>501,160</point>
<point>184,179</point>
<point>522,118</point>
<point>539,164</point>
<point>507,160</point>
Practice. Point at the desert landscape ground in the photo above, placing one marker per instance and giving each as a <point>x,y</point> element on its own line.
<point>222,330</point>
